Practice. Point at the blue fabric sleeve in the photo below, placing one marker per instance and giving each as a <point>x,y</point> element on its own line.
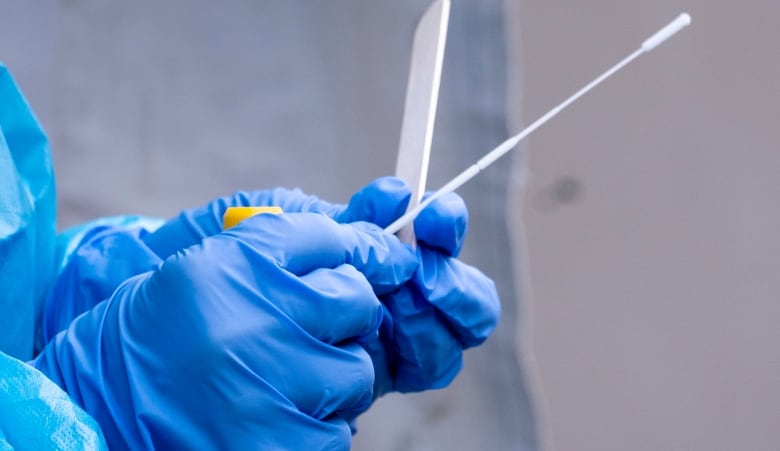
<point>36,414</point>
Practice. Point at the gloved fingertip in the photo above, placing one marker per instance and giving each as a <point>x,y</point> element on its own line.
<point>297,201</point>
<point>462,294</point>
<point>412,379</point>
<point>474,334</point>
<point>372,329</point>
<point>380,202</point>
<point>443,224</point>
<point>391,263</point>
<point>352,425</point>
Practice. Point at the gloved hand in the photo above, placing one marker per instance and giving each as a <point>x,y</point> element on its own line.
<point>448,307</point>
<point>245,341</point>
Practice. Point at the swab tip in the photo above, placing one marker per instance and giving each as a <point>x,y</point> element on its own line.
<point>682,21</point>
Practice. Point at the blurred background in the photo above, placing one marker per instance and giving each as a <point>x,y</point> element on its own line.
<point>653,220</point>
<point>633,239</point>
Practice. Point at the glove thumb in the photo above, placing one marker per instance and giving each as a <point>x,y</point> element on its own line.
<point>380,202</point>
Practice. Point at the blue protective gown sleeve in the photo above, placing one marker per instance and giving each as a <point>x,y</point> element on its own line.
<point>27,219</point>
<point>34,412</point>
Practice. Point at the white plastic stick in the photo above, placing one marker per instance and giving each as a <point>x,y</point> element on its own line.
<point>649,44</point>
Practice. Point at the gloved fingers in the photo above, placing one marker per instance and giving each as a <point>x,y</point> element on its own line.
<point>350,389</point>
<point>461,293</point>
<point>188,228</point>
<point>271,417</point>
<point>334,305</point>
<point>290,200</point>
<point>192,226</point>
<point>443,224</point>
<point>426,353</point>
<point>380,202</point>
<point>267,330</point>
<point>285,424</point>
<point>330,380</point>
<point>380,347</point>
<point>303,242</point>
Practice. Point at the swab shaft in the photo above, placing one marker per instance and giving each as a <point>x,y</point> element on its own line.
<point>665,33</point>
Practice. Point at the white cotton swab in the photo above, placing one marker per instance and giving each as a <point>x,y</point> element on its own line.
<point>649,44</point>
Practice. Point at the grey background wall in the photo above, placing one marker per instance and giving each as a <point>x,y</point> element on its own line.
<point>652,216</point>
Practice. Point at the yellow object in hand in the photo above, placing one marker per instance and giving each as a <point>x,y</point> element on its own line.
<point>234,215</point>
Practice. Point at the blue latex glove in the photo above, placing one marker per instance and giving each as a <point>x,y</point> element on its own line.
<point>246,340</point>
<point>97,256</point>
<point>448,307</point>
